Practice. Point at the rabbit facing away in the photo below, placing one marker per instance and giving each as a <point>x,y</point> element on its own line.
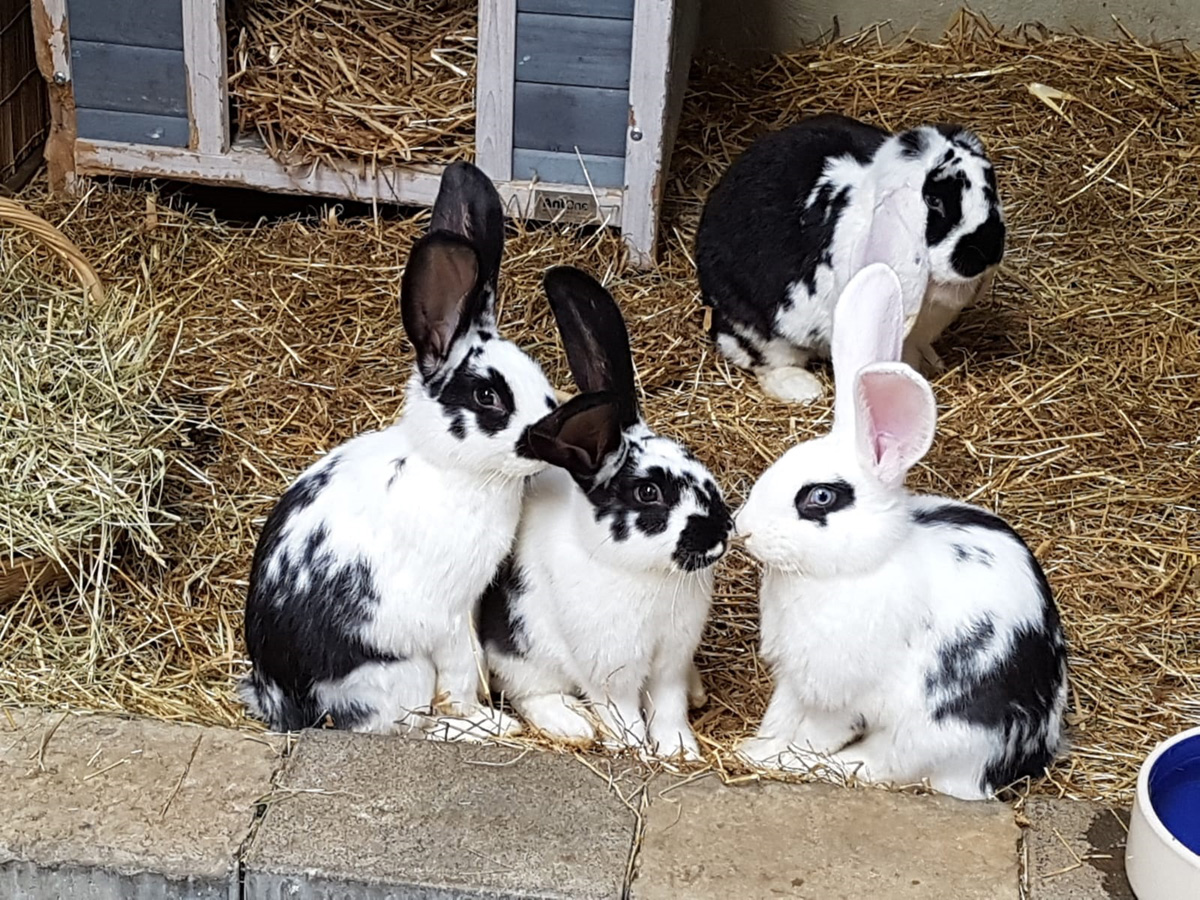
<point>805,208</point>
<point>369,568</point>
<point>910,637</point>
<point>600,607</point>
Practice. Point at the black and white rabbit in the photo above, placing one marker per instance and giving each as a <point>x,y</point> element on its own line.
<point>603,601</point>
<point>909,636</point>
<point>369,568</point>
<point>804,208</point>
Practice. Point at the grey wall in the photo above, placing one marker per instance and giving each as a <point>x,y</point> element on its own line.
<point>747,29</point>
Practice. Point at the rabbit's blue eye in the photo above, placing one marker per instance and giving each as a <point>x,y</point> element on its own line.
<point>822,497</point>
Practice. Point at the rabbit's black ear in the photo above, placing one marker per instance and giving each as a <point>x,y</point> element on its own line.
<point>468,205</point>
<point>594,336</point>
<point>578,436</point>
<point>440,294</point>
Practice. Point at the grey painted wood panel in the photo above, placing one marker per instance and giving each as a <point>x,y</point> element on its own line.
<point>575,50</point>
<point>564,168</point>
<point>605,9</point>
<point>141,23</point>
<point>562,118</point>
<point>129,79</point>
<point>131,128</point>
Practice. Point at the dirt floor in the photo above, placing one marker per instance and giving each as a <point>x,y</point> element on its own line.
<point>1071,407</point>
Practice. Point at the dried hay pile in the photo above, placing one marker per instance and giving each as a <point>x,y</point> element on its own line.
<point>376,82</point>
<point>1072,405</point>
<point>84,440</point>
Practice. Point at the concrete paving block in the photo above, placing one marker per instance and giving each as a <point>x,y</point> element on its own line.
<point>1076,851</point>
<point>374,817</point>
<point>705,841</point>
<point>104,807</point>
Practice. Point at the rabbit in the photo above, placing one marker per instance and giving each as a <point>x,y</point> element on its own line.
<point>909,636</point>
<point>603,600</point>
<point>368,570</point>
<point>806,207</point>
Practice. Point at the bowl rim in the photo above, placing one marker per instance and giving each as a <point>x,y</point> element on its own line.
<point>1147,808</point>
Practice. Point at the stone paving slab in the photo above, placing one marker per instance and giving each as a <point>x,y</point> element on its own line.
<point>105,807</point>
<point>374,817</point>
<point>1076,851</point>
<point>705,841</point>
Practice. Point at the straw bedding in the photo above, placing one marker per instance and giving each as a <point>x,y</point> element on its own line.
<point>1071,405</point>
<point>377,82</point>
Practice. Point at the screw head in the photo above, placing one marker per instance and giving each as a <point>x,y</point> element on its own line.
<point>635,135</point>
<point>60,77</point>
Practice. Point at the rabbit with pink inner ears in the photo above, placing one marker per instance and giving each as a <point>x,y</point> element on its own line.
<point>910,637</point>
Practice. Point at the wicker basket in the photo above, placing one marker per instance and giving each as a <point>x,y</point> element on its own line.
<point>19,574</point>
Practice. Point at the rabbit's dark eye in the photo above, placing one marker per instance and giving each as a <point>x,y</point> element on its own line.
<point>486,397</point>
<point>935,205</point>
<point>648,493</point>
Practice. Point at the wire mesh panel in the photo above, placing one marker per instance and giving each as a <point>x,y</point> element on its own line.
<point>24,118</point>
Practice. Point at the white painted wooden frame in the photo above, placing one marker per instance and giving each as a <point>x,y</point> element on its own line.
<point>53,49</point>
<point>206,62</point>
<point>664,34</point>
<point>494,87</point>
<point>247,164</point>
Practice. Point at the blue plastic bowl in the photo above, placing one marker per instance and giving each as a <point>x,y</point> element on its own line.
<point>1162,857</point>
<point>1175,792</point>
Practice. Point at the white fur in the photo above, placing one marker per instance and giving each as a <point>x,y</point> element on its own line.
<point>618,623</point>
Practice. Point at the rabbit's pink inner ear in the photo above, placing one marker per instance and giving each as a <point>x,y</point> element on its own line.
<point>896,416</point>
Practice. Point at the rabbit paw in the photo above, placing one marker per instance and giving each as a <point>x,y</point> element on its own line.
<point>790,384</point>
<point>476,725</point>
<point>559,717</point>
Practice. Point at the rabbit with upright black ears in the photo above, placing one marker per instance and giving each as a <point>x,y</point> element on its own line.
<point>805,208</point>
<point>601,605</point>
<point>910,637</point>
<point>369,568</point>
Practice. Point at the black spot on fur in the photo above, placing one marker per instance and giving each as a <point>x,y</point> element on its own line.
<point>1016,695</point>
<point>304,617</point>
<point>962,516</point>
<point>398,465</point>
<point>499,629</point>
<point>703,532</point>
<point>843,493</point>
<point>981,249</point>
<point>458,426</point>
<point>550,404</point>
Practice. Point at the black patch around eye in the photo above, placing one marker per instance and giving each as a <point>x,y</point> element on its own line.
<point>981,249</point>
<point>843,499</point>
<point>946,190</point>
<point>912,144</point>
<point>617,498</point>
<point>458,398</point>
